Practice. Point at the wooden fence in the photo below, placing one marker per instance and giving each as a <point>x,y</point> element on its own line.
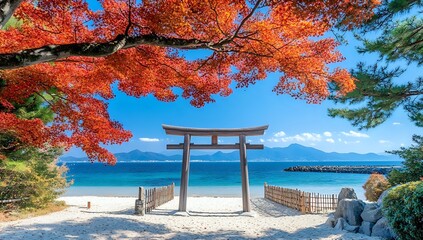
<point>149,199</point>
<point>302,201</point>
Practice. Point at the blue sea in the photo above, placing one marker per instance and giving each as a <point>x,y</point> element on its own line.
<point>209,178</point>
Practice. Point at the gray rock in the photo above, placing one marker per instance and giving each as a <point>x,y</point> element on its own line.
<point>382,229</point>
<point>340,224</point>
<point>350,210</point>
<point>347,193</point>
<point>339,212</point>
<point>366,228</point>
<point>371,215</point>
<point>349,228</point>
<point>370,206</point>
<point>331,220</point>
<point>382,196</point>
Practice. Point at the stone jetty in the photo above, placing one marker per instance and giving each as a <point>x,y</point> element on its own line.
<point>344,169</point>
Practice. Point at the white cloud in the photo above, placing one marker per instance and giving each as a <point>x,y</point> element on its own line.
<point>149,139</point>
<point>280,134</point>
<point>355,134</point>
<point>262,140</point>
<point>273,140</point>
<point>396,123</point>
<point>327,134</point>
<point>303,137</point>
<point>402,144</point>
<point>314,138</point>
<point>383,141</point>
<point>351,142</point>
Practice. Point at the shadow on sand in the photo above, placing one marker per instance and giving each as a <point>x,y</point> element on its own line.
<point>94,228</point>
<point>268,208</point>
<point>122,228</point>
<point>123,224</point>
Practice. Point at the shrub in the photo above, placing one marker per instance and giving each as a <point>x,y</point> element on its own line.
<point>375,186</point>
<point>36,179</point>
<point>413,163</point>
<point>403,207</point>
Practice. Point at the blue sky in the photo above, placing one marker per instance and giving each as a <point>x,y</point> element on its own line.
<point>290,121</point>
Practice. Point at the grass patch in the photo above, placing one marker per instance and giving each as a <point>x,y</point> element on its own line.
<point>6,216</point>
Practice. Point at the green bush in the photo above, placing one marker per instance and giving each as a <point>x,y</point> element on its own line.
<point>37,179</point>
<point>375,186</point>
<point>413,163</point>
<point>29,172</point>
<point>403,207</point>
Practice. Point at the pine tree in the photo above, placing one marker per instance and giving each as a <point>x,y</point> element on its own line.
<point>381,87</point>
<point>378,92</point>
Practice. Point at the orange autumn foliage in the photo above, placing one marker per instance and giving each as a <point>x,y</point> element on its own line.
<point>141,47</point>
<point>375,186</point>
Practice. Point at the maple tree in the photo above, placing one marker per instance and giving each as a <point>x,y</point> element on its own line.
<point>69,54</point>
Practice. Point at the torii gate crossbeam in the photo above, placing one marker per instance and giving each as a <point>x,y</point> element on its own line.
<point>214,133</point>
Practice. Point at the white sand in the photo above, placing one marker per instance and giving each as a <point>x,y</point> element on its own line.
<point>208,218</point>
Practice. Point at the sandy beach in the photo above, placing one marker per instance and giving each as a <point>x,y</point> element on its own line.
<point>208,218</point>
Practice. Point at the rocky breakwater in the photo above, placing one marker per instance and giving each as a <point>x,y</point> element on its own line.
<point>343,169</point>
<point>354,215</point>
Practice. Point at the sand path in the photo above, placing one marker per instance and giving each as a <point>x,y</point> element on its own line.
<point>208,218</point>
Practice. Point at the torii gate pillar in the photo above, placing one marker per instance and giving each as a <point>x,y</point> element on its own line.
<point>183,191</point>
<point>242,146</point>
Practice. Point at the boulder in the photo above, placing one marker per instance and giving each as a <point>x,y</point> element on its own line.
<point>372,215</point>
<point>331,220</point>
<point>366,228</point>
<point>370,206</point>
<point>381,197</point>
<point>349,228</point>
<point>340,224</point>
<point>382,229</point>
<point>339,212</point>
<point>350,210</point>
<point>347,193</point>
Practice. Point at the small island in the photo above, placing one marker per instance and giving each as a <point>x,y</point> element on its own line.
<point>344,169</point>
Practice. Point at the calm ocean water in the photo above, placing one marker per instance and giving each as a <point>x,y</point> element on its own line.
<point>208,178</point>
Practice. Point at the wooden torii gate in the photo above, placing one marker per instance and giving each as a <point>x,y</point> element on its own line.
<point>214,133</point>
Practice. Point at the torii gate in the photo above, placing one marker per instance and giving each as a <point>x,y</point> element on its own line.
<point>214,133</point>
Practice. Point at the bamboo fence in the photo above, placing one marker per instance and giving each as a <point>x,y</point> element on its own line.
<point>155,197</point>
<point>302,201</point>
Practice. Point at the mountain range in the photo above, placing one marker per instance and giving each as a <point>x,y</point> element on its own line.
<point>294,152</point>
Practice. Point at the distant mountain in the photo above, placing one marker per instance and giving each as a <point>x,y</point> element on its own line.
<point>138,155</point>
<point>294,152</point>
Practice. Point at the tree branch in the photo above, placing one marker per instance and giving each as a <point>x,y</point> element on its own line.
<point>7,8</point>
<point>246,18</point>
<point>50,53</point>
<point>56,52</point>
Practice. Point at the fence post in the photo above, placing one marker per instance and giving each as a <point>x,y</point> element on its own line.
<point>265,190</point>
<point>173,190</point>
<point>140,202</point>
<point>302,202</point>
<point>333,202</point>
<point>155,197</point>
